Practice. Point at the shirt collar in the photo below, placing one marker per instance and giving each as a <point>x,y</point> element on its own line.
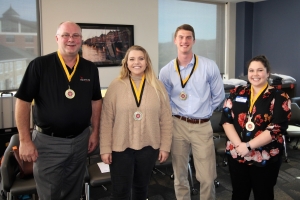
<point>191,64</point>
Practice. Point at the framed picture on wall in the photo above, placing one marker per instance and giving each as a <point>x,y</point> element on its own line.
<point>105,44</point>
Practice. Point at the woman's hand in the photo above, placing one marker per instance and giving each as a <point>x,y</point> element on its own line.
<point>106,158</point>
<point>163,156</point>
<point>242,149</point>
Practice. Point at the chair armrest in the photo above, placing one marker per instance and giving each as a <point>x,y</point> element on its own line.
<point>9,170</point>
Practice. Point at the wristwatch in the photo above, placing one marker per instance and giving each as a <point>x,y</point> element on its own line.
<point>248,146</point>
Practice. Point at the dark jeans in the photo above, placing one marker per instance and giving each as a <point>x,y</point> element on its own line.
<point>131,170</point>
<point>246,177</point>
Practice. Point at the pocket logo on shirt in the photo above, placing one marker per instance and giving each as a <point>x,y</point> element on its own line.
<point>84,79</point>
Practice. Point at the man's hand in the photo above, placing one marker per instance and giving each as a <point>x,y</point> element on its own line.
<point>93,142</point>
<point>27,151</point>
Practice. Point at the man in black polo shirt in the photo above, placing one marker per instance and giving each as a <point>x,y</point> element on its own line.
<point>67,99</point>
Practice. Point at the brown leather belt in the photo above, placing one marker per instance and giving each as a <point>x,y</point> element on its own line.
<point>39,129</point>
<point>191,120</point>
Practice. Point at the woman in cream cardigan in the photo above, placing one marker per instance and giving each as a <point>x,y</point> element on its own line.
<point>136,126</point>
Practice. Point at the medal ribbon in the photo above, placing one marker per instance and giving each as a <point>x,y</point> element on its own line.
<point>253,100</point>
<point>184,82</point>
<point>138,93</point>
<point>69,76</point>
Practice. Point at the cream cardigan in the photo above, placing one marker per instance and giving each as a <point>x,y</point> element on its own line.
<point>119,130</point>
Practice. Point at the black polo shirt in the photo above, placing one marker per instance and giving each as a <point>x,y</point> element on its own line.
<point>45,81</point>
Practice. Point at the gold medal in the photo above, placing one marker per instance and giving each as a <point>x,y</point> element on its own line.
<point>70,94</point>
<point>183,95</point>
<point>137,115</point>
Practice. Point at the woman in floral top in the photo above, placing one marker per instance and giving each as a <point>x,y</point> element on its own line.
<point>255,118</point>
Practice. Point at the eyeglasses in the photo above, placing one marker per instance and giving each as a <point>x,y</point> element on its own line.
<point>67,36</point>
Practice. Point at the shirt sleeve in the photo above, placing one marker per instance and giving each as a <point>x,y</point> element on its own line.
<point>281,113</point>
<point>216,87</point>
<point>166,122</point>
<point>96,86</point>
<point>227,114</point>
<point>107,120</point>
<point>165,79</point>
<point>29,87</point>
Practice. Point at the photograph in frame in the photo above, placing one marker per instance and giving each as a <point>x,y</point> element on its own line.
<point>105,44</point>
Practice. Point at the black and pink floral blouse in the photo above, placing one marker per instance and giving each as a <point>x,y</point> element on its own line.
<point>271,111</point>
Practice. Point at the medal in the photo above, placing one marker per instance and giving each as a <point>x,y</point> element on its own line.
<point>138,94</point>
<point>70,94</point>
<point>183,95</point>
<point>250,125</point>
<point>137,115</point>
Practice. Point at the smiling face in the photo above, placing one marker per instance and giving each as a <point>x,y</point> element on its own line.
<point>184,41</point>
<point>67,45</point>
<point>136,63</point>
<point>257,74</point>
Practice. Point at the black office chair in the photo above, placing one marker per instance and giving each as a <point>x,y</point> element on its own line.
<point>296,100</point>
<point>219,136</point>
<point>93,176</point>
<point>13,185</point>
<point>293,130</point>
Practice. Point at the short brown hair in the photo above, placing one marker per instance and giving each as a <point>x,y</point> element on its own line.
<point>186,27</point>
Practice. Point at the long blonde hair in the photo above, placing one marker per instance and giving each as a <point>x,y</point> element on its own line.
<point>149,72</point>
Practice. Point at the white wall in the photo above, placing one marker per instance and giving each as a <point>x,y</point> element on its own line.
<point>143,14</point>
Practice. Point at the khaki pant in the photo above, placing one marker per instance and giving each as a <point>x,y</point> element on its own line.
<point>197,138</point>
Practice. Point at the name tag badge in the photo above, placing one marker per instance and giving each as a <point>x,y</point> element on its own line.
<point>241,99</point>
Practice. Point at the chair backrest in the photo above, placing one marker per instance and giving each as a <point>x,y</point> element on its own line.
<point>295,118</point>
<point>9,166</point>
<point>215,120</point>
<point>296,100</point>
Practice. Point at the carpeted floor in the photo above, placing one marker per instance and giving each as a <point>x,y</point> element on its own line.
<point>161,186</point>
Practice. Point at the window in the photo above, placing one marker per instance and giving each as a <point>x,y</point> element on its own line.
<point>208,21</point>
<point>18,65</point>
<point>19,78</point>
<point>10,38</point>
<point>29,49</point>
<point>8,26</point>
<point>19,40</point>
<point>29,38</point>
<point>6,67</point>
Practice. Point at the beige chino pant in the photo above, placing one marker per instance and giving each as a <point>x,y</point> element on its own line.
<point>197,138</point>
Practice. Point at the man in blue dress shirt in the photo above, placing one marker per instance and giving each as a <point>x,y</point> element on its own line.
<point>195,88</point>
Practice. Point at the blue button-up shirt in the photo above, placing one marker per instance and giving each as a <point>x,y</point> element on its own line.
<point>205,88</point>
